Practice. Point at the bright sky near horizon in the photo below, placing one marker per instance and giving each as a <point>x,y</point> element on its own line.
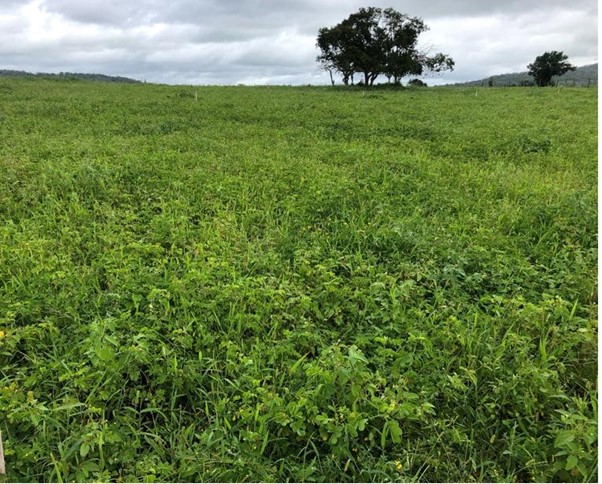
<point>273,41</point>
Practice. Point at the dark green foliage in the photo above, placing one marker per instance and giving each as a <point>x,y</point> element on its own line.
<point>72,76</point>
<point>584,76</point>
<point>417,83</point>
<point>548,65</point>
<point>374,41</point>
<point>257,284</point>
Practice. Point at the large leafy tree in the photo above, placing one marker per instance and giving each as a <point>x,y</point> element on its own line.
<point>547,65</point>
<point>334,57</point>
<point>374,41</point>
<point>402,57</point>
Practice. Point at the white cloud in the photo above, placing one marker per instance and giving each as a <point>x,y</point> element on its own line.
<point>501,43</point>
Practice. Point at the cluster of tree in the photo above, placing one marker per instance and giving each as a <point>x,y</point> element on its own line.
<point>376,42</point>
<point>417,83</point>
<point>544,71</point>
<point>548,65</point>
<point>583,76</point>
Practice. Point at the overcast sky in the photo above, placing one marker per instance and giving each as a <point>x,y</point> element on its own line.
<point>273,41</point>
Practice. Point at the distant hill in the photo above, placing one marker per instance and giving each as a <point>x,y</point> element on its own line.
<point>583,76</point>
<point>68,76</point>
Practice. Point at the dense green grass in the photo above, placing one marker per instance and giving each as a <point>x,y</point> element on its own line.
<point>308,284</point>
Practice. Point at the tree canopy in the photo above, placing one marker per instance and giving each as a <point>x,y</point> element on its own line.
<point>547,65</point>
<point>375,41</point>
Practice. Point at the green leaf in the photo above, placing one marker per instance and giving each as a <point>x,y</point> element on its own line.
<point>383,435</point>
<point>355,355</point>
<point>264,443</point>
<point>105,353</point>
<point>296,364</point>
<point>395,431</point>
<point>361,425</point>
<point>84,449</point>
<point>571,462</point>
<point>563,438</point>
<point>392,428</point>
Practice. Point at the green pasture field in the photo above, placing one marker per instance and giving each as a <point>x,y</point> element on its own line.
<point>297,283</point>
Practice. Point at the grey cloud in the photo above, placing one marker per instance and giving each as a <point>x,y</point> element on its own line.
<point>256,15</point>
<point>462,8</point>
<point>104,12</point>
<point>231,41</point>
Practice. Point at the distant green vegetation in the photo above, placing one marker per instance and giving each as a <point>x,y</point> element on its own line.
<point>70,76</point>
<point>584,76</point>
<point>305,284</point>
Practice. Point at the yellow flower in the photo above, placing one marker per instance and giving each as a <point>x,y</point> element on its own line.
<point>2,334</point>
<point>29,396</point>
<point>398,465</point>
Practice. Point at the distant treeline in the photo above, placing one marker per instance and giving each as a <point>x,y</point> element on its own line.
<point>67,76</point>
<point>582,77</point>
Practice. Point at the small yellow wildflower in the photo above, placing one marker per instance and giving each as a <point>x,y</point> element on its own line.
<point>29,396</point>
<point>398,465</point>
<point>2,334</point>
